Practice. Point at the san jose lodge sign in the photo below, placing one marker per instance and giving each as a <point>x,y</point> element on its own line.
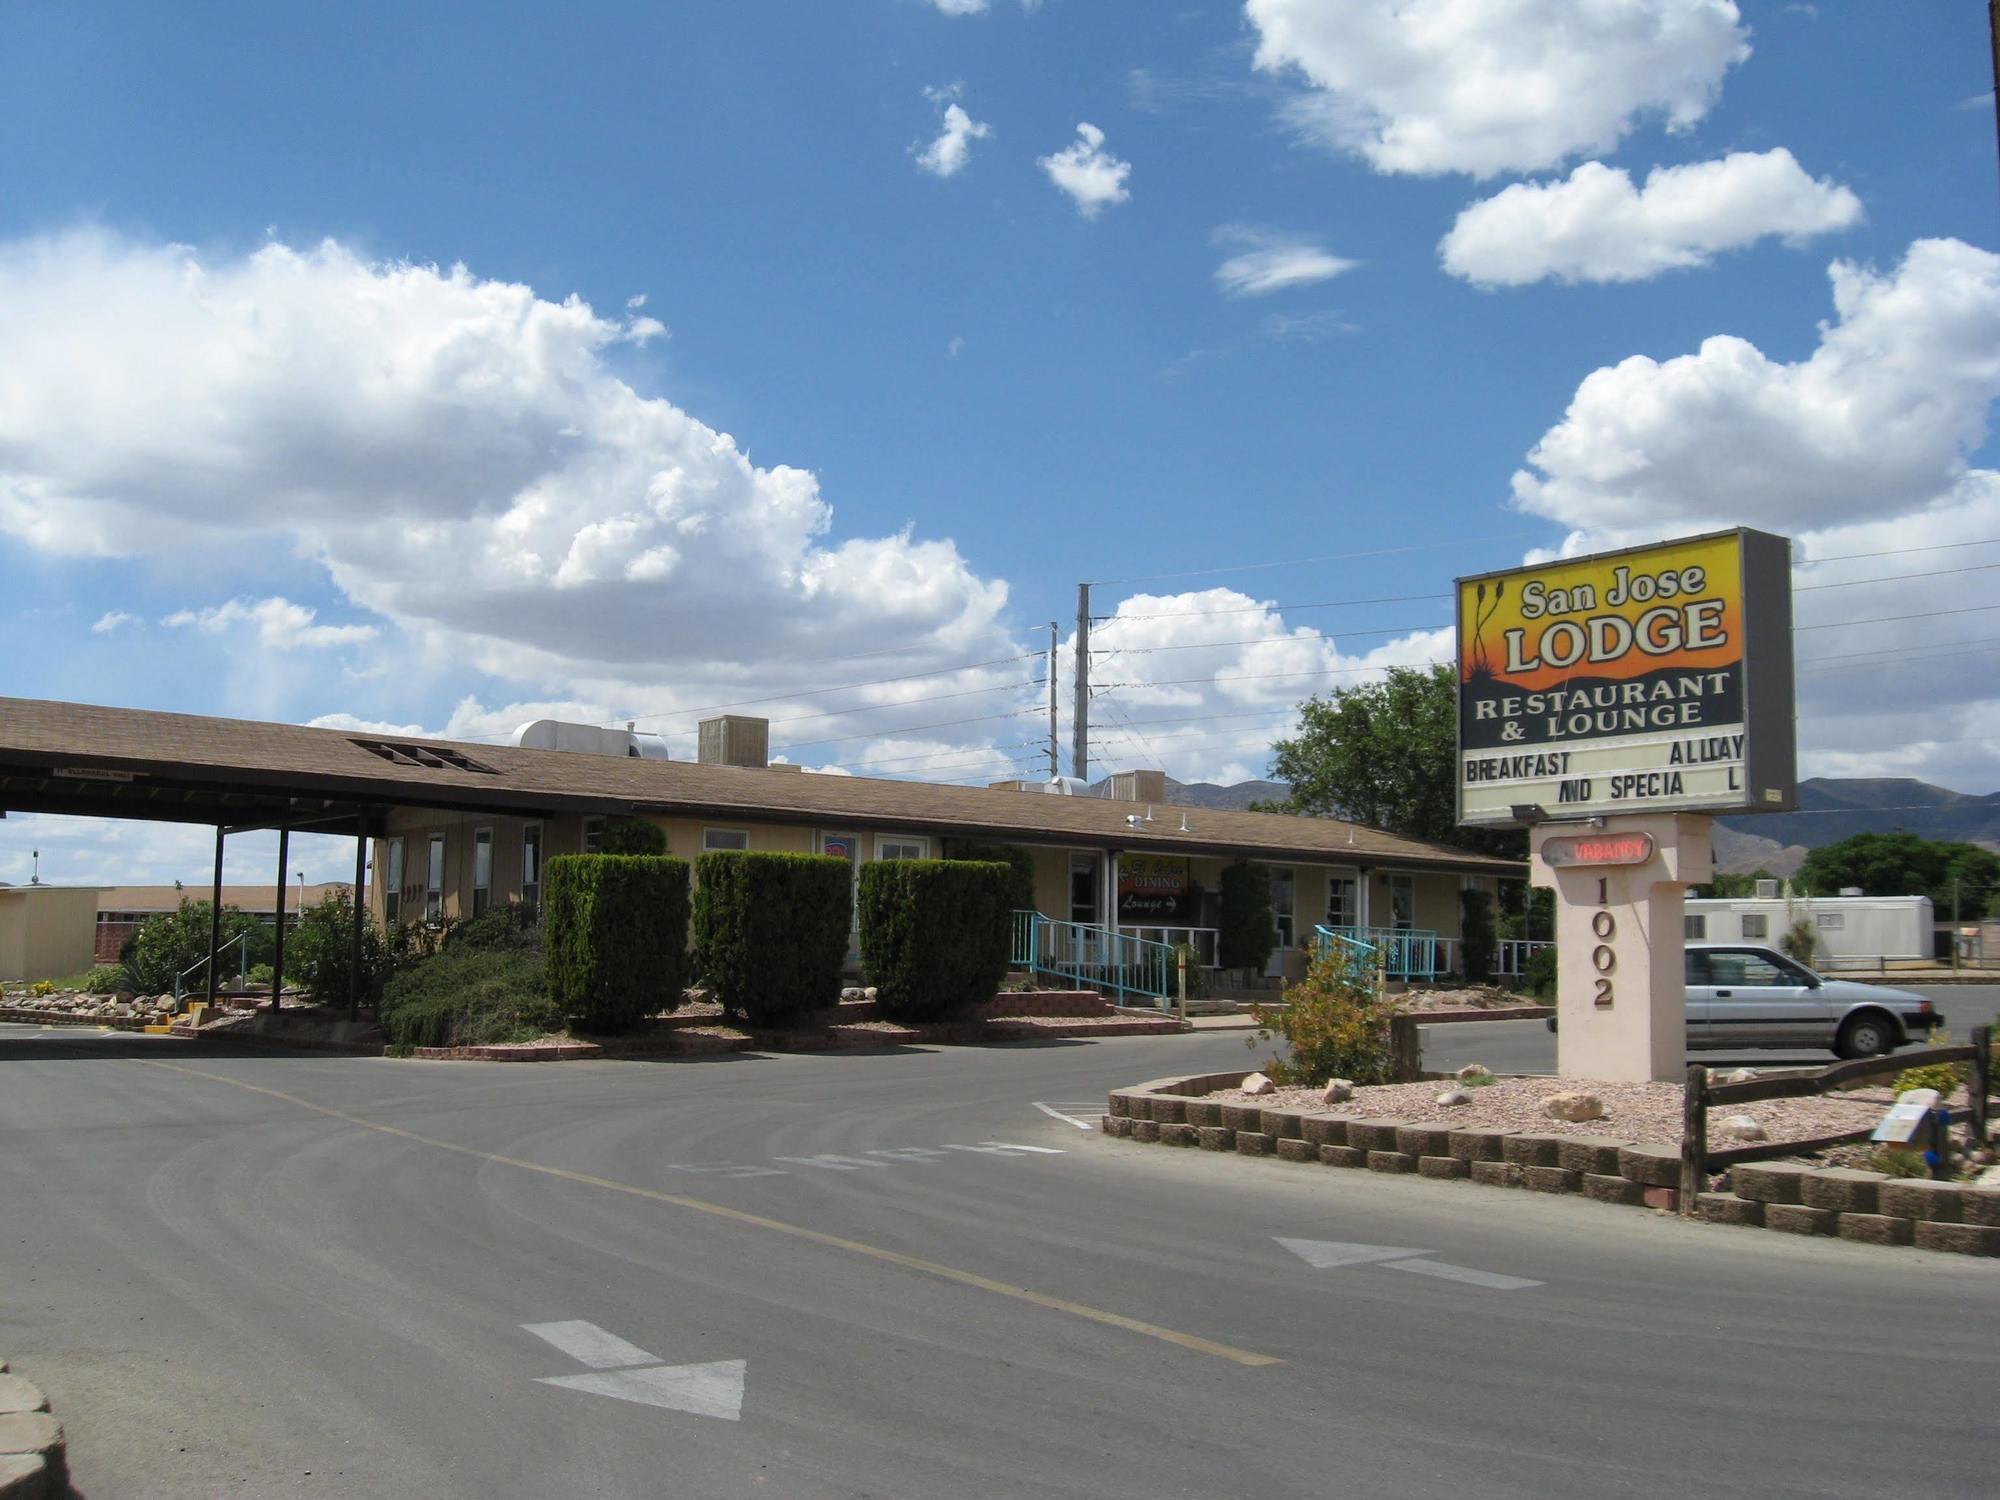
<point>1655,679</point>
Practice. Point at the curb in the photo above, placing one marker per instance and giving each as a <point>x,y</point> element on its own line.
<point>34,1453</point>
<point>1869,1207</point>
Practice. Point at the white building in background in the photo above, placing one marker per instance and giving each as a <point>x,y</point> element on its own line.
<point>1845,928</point>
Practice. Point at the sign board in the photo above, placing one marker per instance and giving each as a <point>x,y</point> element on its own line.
<point>1154,890</point>
<point>1654,679</point>
<point>1906,1116</point>
<point>1599,849</point>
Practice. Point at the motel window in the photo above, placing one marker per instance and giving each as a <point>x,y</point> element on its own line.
<point>434,881</point>
<point>1083,889</point>
<point>1830,921</point>
<point>1284,906</point>
<point>482,870</point>
<point>531,866</point>
<point>1402,902</point>
<point>593,834</point>
<point>1342,909</point>
<point>1755,929</point>
<point>1694,929</point>
<point>714,839</point>
<point>902,846</point>
<point>392,884</point>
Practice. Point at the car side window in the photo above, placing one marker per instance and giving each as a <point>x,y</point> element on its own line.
<point>1761,973</point>
<point>1725,968</point>
<point>1697,968</point>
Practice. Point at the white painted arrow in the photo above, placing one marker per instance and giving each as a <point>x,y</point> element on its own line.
<point>710,1390</point>
<point>1324,1255</point>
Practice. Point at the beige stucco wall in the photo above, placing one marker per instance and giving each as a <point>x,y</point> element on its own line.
<point>47,932</point>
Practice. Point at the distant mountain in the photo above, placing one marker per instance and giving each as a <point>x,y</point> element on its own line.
<point>1235,798</point>
<point>1833,808</point>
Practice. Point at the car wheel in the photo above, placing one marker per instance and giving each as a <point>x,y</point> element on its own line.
<point>1867,1035</point>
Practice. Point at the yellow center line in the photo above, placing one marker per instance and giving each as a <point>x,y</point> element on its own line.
<point>972,1279</point>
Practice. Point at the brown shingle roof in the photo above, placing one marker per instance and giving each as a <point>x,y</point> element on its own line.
<point>188,749</point>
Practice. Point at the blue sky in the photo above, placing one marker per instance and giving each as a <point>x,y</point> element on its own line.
<point>1326,281</point>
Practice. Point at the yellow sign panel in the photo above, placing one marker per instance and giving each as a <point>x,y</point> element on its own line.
<point>1622,682</point>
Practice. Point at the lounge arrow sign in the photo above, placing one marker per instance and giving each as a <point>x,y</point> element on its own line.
<point>714,1389</point>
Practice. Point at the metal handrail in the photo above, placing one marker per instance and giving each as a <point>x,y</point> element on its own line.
<point>1407,952</point>
<point>1094,957</point>
<point>241,942</point>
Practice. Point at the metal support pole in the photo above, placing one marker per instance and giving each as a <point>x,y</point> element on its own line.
<point>214,918</point>
<point>1080,729</point>
<point>360,916</point>
<point>278,955</point>
<point>1055,758</point>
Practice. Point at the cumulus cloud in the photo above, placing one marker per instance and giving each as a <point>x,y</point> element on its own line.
<point>961,7</point>
<point>957,130</point>
<point>113,619</point>
<point>1090,175</point>
<point>1272,262</point>
<point>1489,86</point>
<point>280,624</point>
<point>1878,421</point>
<point>1596,226</point>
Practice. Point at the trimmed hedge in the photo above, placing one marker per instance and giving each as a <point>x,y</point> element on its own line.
<point>934,933</point>
<point>615,934</point>
<point>1021,889</point>
<point>770,931</point>
<point>1246,938</point>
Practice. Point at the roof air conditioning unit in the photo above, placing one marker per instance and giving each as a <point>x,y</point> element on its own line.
<point>1767,890</point>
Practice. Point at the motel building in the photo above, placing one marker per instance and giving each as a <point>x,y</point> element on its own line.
<point>446,830</point>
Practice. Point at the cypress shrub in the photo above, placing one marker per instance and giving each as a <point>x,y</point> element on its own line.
<point>1246,938</point>
<point>632,836</point>
<point>615,933</point>
<point>934,933</point>
<point>1021,886</point>
<point>1476,937</point>
<point>771,931</point>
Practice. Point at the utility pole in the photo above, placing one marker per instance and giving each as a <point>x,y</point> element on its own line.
<point>1055,762</point>
<point>1954,922</point>
<point>1080,744</point>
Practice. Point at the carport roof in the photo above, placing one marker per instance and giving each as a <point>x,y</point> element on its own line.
<point>137,763</point>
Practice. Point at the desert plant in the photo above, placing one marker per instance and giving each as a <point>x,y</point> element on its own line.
<point>1188,956</point>
<point>771,931</point>
<point>1476,935</point>
<point>1246,935</point>
<point>1798,941</point>
<point>1336,1021</point>
<point>1898,1161</point>
<point>1944,1077</point>
<point>319,952</point>
<point>934,933</point>
<point>615,936</point>
<point>42,987</point>
<point>100,979</point>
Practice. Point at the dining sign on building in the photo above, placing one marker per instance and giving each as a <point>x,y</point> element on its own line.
<point>1654,679</point>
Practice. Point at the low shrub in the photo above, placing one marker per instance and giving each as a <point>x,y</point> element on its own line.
<point>615,934</point>
<point>1898,1161</point>
<point>319,951</point>
<point>467,997</point>
<point>1336,1021</point>
<point>42,987</point>
<point>771,931</point>
<point>1538,974</point>
<point>632,836</point>
<point>1944,1077</point>
<point>102,979</point>
<point>509,926</point>
<point>935,933</point>
<point>259,974</point>
<point>172,942</point>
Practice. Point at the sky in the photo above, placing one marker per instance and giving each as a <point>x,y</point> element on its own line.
<point>436,368</point>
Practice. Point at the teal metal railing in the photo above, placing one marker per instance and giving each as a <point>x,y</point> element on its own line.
<point>1406,952</point>
<point>1131,970</point>
<point>241,942</point>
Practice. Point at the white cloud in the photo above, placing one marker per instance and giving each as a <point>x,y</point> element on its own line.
<point>1596,226</point>
<point>948,153</point>
<point>1878,421</point>
<point>961,7</point>
<point>956,346</point>
<point>1090,175</point>
<point>113,619</point>
<point>1273,262</point>
<point>280,624</point>
<point>1489,86</point>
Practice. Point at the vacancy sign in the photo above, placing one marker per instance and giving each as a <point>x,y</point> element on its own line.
<point>1655,679</point>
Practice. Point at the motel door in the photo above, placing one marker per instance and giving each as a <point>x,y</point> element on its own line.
<point>847,846</point>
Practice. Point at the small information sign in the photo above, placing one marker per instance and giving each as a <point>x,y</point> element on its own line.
<point>1906,1116</point>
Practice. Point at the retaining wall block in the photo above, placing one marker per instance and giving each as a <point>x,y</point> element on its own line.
<point>1177,1135</point>
<point>1530,1150</point>
<point>1293,1148</point>
<point>1840,1188</point>
<point>1146,1130</point>
<point>1373,1135</point>
<point>1767,1181</point>
<point>1727,1208</point>
<point>1285,1124</point>
<point>1391,1161</point>
<point>1169,1110</point>
<point>1655,1166</point>
<point>1960,1239</point>
<point>17,1394</point>
<point>1594,1154</point>
<point>25,1476</point>
<point>1201,1112</point>
<point>1799,1218</point>
<point>24,1432</point>
<point>1243,1116</point>
<point>1609,1187</point>
<point>1548,1179</point>
<point>1119,1126</point>
<point>1920,1198</point>
<point>1443,1166</point>
<point>1343,1156</point>
<point>1325,1130</point>
<point>1215,1138</point>
<point>1874,1229</point>
<point>1475,1145</point>
<point>1119,1102</point>
<point>1254,1143</point>
<point>1981,1206</point>
<point>1423,1140</point>
<point>1496,1173</point>
<point>1667,1200</point>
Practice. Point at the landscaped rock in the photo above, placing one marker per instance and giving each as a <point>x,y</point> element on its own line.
<point>1339,1091</point>
<point>1735,1075</point>
<point>1475,1070</point>
<point>1257,1084</point>
<point>1573,1107</point>
<point>852,992</point>
<point>1740,1128</point>
<point>1453,1097</point>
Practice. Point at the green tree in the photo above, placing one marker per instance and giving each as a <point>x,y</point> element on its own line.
<point>1476,934</point>
<point>1907,864</point>
<point>1385,754</point>
<point>172,942</point>
<point>1733,887</point>
<point>319,952</point>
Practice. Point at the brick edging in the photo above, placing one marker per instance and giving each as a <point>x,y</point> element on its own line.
<point>30,1017</point>
<point>1863,1206</point>
<point>34,1451</point>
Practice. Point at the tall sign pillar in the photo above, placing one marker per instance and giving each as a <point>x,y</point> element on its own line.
<point>1612,704</point>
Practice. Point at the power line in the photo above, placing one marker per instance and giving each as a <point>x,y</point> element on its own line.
<point>1019,713</point>
<point>1813,562</point>
<point>1848,583</point>
<point>1299,562</point>
<point>843,687</point>
<point>1935,614</point>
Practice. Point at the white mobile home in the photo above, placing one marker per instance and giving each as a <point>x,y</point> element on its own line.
<point>1845,928</point>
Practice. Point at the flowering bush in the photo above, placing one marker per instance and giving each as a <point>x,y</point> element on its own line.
<point>1335,1021</point>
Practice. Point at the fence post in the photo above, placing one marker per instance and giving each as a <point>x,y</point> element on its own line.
<point>1982,1081</point>
<point>1405,1048</point>
<point>1181,958</point>
<point>1694,1139</point>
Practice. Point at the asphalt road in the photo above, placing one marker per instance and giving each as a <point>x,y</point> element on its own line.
<point>281,1275</point>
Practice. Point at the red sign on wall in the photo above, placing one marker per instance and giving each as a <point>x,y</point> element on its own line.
<point>1599,849</point>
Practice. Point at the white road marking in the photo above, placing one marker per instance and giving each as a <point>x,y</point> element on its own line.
<point>1445,1271</point>
<point>710,1390</point>
<point>588,1344</point>
<point>918,1154</point>
<point>1324,1255</point>
<point>727,1170</point>
<point>1031,1150</point>
<point>1062,1112</point>
<point>832,1161</point>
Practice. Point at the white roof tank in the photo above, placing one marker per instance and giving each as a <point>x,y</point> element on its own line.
<point>590,739</point>
<point>1066,786</point>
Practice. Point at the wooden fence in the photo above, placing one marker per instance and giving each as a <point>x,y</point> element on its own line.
<point>1697,1161</point>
